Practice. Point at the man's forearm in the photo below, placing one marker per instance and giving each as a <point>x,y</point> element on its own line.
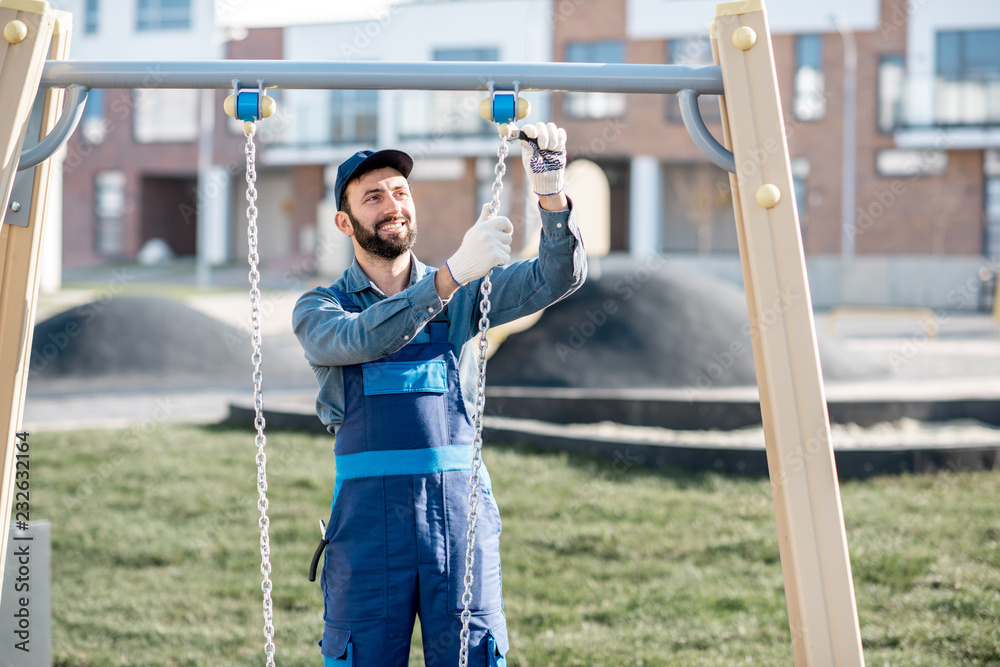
<point>556,202</point>
<point>444,283</point>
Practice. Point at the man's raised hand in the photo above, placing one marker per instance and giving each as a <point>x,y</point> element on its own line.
<point>486,245</point>
<point>544,157</point>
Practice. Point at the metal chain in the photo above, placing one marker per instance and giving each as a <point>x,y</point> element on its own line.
<point>477,422</point>
<point>258,397</point>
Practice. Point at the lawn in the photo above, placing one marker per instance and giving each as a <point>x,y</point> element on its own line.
<point>156,556</point>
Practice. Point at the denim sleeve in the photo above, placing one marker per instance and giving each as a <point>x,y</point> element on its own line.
<point>331,336</point>
<point>527,286</point>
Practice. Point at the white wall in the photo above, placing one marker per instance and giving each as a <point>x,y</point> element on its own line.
<point>944,282</point>
<point>117,38</point>
<point>518,29</point>
<point>656,19</point>
<point>923,20</point>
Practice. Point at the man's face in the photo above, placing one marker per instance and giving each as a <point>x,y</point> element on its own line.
<point>381,212</point>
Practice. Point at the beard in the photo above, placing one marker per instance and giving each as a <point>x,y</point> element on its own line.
<point>386,248</point>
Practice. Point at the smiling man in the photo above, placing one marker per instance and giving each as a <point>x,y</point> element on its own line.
<point>392,344</point>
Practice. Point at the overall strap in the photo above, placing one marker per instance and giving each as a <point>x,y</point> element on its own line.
<point>346,302</point>
<point>438,331</point>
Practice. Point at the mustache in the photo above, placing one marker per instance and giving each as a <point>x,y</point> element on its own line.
<point>402,217</point>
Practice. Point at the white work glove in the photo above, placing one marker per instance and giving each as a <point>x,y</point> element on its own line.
<point>486,245</point>
<point>545,162</point>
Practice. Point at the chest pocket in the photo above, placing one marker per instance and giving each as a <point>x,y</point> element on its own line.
<point>405,377</point>
<point>406,403</point>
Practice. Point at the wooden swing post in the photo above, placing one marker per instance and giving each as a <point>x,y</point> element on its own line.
<point>812,541</point>
<point>31,30</point>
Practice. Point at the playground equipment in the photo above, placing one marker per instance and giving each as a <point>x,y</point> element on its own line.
<point>813,547</point>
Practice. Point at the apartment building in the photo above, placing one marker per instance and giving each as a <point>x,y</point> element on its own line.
<point>454,149</point>
<point>890,109</point>
<point>168,164</point>
<point>131,171</point>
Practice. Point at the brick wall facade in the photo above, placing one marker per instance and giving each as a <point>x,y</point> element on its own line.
<point>161,177</point>
<point>893,215</point>
<point>446,209</point>
<point>926,215</point>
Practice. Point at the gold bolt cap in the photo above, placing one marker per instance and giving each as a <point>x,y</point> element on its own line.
<point>15,32</point>
<point>267,107</point>
<point>744,38</point>
<point>484,109</point>
<point>768,195</point>
<point>523,108</point>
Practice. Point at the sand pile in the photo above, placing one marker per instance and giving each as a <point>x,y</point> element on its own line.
<point>642,323</point>
<point>139,339</point>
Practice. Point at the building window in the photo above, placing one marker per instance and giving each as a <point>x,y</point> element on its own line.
<point>354,115</point>
<point>595,105</point>
<point>92,125</point>
<point>474,54</point>
<point>800,181</point>
<point>896,162</point>
<point>446,113</point>
<point>693,52</point>
<point>967,85</point>
<point>891,71</point>
<point>810,90</point>
<point>991,205</point>
<point>165,115</point>
<point>697,210</point>
<point>109,207</point>
<point>968,54</point>
<point>90,17</point>
<point>163,14</point>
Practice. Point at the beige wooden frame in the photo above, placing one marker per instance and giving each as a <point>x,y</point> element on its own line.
<point>819,590</point>
<point>21,63</point>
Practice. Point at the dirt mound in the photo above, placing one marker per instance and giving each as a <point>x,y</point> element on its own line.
<point>141,338</point>
<point>644,324</point>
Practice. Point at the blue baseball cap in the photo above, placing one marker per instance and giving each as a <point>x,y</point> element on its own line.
<point>362,162</point>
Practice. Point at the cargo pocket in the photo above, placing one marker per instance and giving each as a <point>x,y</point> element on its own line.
<point>487,588</point>
<point>496,650</point>
<point>337,648</point>
<point>354,566</point>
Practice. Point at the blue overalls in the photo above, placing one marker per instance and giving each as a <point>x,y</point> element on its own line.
<point>397,530</point>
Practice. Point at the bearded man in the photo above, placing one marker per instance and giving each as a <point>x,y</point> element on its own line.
<point>392,344</point>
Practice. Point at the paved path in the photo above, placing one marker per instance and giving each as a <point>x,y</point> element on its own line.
<point>963,359</point>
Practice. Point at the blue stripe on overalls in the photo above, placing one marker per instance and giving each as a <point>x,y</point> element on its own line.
<point>397,531</point>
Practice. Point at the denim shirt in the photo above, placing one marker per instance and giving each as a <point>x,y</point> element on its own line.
<point>332,337</point>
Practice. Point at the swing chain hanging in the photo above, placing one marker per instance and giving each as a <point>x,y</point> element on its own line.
<point>258,398</point>
<point>477,423</point>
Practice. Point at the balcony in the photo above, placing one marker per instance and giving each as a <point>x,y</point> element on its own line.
<point>943,113</point>
<point>328,126</point>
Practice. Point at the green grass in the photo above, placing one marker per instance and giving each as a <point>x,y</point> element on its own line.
<point>156,556</point>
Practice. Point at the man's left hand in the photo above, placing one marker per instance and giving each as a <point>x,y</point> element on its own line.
<point>544,158</point>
